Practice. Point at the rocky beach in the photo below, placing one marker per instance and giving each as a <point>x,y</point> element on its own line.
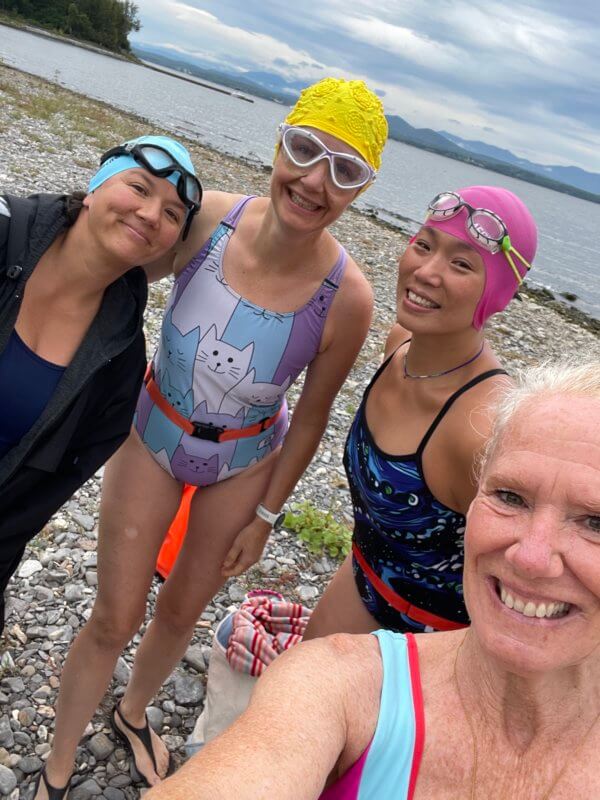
<point>50,141</point>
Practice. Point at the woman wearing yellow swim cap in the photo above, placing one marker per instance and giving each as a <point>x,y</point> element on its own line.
<point>262,290</point>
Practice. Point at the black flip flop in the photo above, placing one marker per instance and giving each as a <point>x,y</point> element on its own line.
<point>143,734</point>
<point>53,792</point>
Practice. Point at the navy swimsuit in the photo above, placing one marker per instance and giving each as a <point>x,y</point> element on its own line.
<point>408,548</point>
<point>27,382</point>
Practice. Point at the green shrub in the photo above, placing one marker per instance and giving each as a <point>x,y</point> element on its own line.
<point>319,530</point>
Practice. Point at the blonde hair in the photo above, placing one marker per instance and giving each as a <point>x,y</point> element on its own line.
<point>534,384</point>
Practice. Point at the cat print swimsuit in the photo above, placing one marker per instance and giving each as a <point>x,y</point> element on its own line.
<point>225,361</point>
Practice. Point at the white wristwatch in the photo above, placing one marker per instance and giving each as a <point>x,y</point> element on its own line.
<point>274,520</point>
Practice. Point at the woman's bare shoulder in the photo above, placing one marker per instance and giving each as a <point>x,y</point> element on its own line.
<point>215,206</point>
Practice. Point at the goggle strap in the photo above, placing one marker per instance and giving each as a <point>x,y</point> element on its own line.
<point>525,263</point>
<point>507,253</point>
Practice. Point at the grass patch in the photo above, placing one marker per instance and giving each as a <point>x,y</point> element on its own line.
<point>319,530</point>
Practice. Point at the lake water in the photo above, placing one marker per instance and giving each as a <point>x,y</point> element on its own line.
<point>569,229</point>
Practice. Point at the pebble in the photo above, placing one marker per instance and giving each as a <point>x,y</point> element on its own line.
<point>122,671</point>
<point>155,718</point>
<point>30,764</point>
<point>8,780</point>
<point>52,595</point>
<point>195,658</point>
<point>100,746</point>
<point>188,690</point>
<point>29,567</point>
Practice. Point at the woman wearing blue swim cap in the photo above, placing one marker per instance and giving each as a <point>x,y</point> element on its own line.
<point>72,352</point>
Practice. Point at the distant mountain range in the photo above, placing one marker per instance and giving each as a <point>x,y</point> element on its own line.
<point>588,181</point>
<point>271,86</point>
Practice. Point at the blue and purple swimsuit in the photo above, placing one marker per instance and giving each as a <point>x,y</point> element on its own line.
<point>224,361</point>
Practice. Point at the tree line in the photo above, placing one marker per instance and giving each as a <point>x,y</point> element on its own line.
<point>107,23</point>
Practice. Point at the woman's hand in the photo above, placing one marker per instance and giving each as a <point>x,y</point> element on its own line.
<point>246,549</point>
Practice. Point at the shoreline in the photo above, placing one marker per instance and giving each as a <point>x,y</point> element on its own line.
<point>540,293</point>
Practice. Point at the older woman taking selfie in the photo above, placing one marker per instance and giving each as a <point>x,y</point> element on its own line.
<point>509,708</point>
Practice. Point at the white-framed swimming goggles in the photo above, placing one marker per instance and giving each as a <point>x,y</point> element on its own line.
<point>485,227</point>
<point>305,149</point>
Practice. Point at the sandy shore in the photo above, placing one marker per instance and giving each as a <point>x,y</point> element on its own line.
<point>50,140</point>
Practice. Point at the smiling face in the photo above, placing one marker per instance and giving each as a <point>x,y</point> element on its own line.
<point>135,216</point>
<point>306,197</point>
<point>440,282</point>
<point>532,562</point>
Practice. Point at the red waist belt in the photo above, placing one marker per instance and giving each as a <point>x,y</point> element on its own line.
<point>203,430</point>
<point>399,603</point>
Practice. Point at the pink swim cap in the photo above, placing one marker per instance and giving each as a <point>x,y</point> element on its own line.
<point>500,282</point>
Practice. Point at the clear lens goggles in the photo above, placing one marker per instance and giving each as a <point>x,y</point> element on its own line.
<point>161,163</point>
<point>485,227</point>
<point>305,149</point>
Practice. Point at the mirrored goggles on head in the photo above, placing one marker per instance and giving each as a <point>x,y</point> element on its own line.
<point>485,227</point>
<point>305,149</point>
<point>161,163</point>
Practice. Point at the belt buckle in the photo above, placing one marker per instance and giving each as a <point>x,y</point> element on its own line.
<point>207,431</point>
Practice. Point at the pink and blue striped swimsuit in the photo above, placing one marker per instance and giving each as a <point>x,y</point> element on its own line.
<point>224,361</point>
<point>389,767</point>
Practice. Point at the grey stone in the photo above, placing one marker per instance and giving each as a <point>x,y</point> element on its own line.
<point>85,790</point>
<point>29,567</point>
<point>236,592</point>
<point>188,690</point>
<point>111,793</point>
<point>30,764</point>
<point>27,716</point>
<point>85,520</point>
<point>8,780</point>
<point>100,746</point>
<point>91,577</point>
<point>43,594</point>
<point>267,566</point>
<point>73,592</point>
<point>120,781</point>
<point>122,671</point>
<point>62,634</point>
<point>14,685</point>
<point>306,593</point>
<point>195,658</point>
<point>155,718</point>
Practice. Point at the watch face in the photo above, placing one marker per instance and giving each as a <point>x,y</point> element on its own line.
<point>279,521</point>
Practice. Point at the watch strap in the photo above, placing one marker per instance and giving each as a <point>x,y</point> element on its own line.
<point>268,516</point>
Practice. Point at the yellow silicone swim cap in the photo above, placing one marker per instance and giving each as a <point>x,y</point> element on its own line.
<point>348,110</point>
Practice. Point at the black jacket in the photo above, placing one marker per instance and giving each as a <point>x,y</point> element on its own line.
<point>89,415</point>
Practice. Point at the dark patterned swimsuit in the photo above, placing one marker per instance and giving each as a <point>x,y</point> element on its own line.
<point>408,548</point>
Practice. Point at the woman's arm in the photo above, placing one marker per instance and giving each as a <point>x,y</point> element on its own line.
<point>345,331</point>
<point>315,702</point>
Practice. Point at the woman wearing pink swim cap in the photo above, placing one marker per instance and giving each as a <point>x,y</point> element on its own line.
<point>423,420</point>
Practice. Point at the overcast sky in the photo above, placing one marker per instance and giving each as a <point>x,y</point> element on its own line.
<point>524,75</point>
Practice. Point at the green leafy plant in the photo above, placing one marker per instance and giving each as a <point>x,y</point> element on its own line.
<point>319,530</point>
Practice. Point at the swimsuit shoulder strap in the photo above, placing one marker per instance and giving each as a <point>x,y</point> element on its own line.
<point>232,218</point>
<point>382,367</point>
<point>452,399</point>
<point>334,278</point>
<point>395,754</point>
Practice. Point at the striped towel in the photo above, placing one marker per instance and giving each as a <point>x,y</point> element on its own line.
<point>264,626</point>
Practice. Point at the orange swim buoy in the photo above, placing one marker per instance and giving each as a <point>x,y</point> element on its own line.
<point>176,534</point>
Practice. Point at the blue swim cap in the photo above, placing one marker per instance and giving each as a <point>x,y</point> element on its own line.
<point>120,163</point>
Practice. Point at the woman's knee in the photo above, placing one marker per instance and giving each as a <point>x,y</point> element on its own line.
<point>113,629</point>
<point>179,618</point>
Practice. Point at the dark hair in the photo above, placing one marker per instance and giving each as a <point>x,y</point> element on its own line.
<point>73,205</point>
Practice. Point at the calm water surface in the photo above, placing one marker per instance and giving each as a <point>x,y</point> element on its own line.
<point>569,242</point>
